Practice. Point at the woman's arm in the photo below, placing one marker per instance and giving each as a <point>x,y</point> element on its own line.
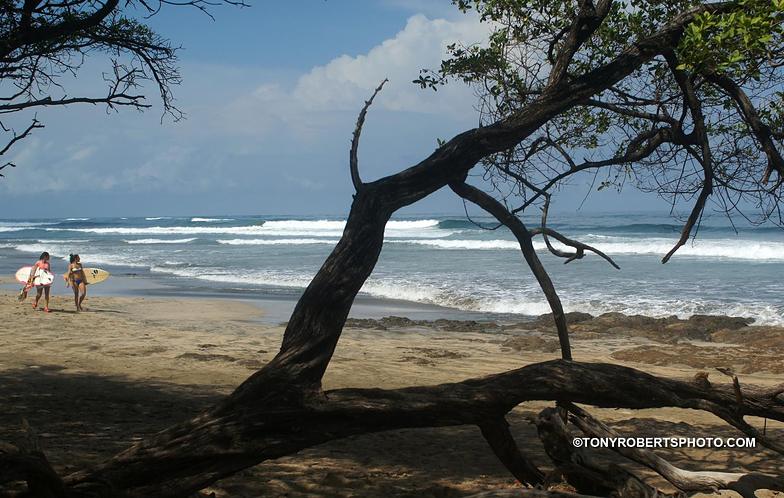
<point>32,275</point>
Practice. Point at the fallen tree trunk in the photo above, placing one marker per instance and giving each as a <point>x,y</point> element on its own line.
<point>187,457</point>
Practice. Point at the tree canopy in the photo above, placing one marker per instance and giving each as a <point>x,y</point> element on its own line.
<point>45,43</point>
<point>701,116</point>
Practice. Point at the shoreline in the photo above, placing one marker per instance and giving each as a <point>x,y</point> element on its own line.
<point>277,307</point>
<point>277,303</point>
<point>127,281</point>
<point>92,383</point>
<point>371,311</point>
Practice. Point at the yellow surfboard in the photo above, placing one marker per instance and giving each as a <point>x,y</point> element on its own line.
<point>95,275</point>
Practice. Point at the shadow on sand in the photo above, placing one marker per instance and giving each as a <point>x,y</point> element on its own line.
<point>82,419</point>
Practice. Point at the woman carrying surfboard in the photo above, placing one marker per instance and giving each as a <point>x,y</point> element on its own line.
<point>43,265</point>
<point>76,279</point>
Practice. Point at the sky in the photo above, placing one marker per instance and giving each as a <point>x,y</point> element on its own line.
<point>271,94</point>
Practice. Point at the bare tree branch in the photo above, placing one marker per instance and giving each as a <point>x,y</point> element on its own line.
<point>705,158</point>
<point>498,435</point>
<point>523,236</point>
<point>21,136</point>
<point>744,483</point>
<point>353,159</point>
<point>761,131</point>
<point>589,17</point>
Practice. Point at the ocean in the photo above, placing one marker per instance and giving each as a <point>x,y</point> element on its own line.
<point>447,263</point>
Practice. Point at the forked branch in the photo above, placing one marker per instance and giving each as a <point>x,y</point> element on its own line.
<point>17,137</point>
<point>523,236</point>
<point>578,246</point>
<point>704,157</point>
<point>751,116</point>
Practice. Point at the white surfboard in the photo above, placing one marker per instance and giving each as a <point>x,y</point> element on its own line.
<point>42,277</point>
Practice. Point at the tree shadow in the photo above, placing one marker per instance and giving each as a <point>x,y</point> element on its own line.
<point>83,418</point>
<point>456,461</point>
<point>86,311</point>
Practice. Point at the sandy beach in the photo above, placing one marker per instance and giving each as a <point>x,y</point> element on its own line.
<point>92,383</point>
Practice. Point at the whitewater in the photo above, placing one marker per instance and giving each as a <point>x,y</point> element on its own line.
<point>443,261</point>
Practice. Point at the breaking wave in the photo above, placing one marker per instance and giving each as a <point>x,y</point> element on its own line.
<point>160,241</point>
<point>276,242</point>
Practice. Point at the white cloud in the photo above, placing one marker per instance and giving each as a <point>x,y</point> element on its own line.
<point>307,106</point>
<point>254,126</point>
<point>344,82</point>
<point>431,8</point>
<point>81,153</point>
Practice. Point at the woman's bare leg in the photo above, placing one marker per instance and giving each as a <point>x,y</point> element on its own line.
<point>83,290</point>
<point>38,292</point>
<point>76,296</point>
<point>46,295</point>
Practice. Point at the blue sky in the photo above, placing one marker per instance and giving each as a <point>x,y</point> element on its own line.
<point>271,95</point>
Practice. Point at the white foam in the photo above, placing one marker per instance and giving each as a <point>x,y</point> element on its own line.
<point>212,274</point>
<point>409,224</point>
<point>464,244</point>
<point>63,252</point>
<point>156,218</point>
<point>77,219</point>
<point>26,224</point>
<point>275,242</point>
<point>288,228</point>
<point>62,241</point>
<point>527,300</point>
<point>316,225</point>
<point>210,220</point>
<point>334,228</point>
<point>305,225</point>
<point>15,226</point>
<point>247,230</point>
<point>160,241</point>
<point>701,248</point>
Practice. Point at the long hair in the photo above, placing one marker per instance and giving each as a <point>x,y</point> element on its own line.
<point>73,257</point>
<point>44,255</point>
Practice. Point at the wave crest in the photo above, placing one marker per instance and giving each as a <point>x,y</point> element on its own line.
<point>160,241</point>
<point>275,242</point>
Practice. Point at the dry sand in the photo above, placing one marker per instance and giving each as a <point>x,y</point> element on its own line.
<point>94,382</point>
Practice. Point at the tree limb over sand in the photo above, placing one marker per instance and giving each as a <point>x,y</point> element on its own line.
<point>183,463</point>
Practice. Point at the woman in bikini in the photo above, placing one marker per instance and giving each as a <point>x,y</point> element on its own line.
<point>74,277</point>
<point>43,264</point>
